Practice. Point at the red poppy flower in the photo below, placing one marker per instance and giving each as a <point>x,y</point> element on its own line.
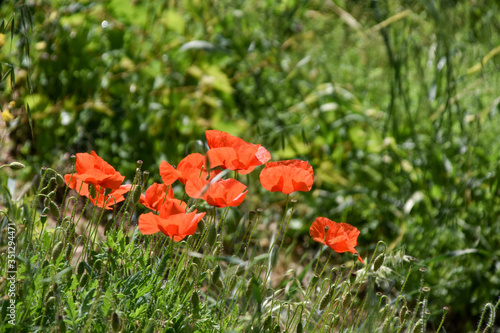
<point>94,170</point>
<point>341,237</point>
<point>223,193</point>
<point>168,173</point>
<point>155,196</point>
<point>194,166</point>
<point>173,221</point>
<point>233,153</point>
<point>114,197</point>
<point>287,176</point>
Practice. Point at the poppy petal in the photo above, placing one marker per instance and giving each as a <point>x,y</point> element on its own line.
<point>148,223</point>
<point>287,176</point>
<point>340,237</point>
<point>168,173</point>
<point>92,169</point>
<point>192,166</point>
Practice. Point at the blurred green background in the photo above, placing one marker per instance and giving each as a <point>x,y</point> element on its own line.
<point>394,103</point>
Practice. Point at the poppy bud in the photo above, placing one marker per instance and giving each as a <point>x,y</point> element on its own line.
<point>43,219</point>
<point>80,269</point>
<point>402,312</point>
<point>52,194</point>
<point>378,262</point>
<point>107,192</point>
<point>324,301</point>
<point>216,274</point>
<point>160,270</point>
<point>268,322</point>
<point>251,216</point>
<point>16,165</point>
<point>195,300</point>
<point>56,251</point>
<point>54,209</point>
<point>137,194</point>
<point>83,280</point>
<point>299,328</point>
<point>60,180</point>
<point>219,283</point>
<point>115,322</point>
<point>69,251</point>
<point>50,301</point>
<point>70,229</point>
<point>212,234</point>
<point>151,326</point>
<point>61,323</point>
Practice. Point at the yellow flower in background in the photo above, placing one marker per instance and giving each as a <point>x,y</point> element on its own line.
<point>3,38</point>
<point>7,116</point>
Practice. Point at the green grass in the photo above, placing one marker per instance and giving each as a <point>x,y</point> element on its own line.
<point>394,103</point>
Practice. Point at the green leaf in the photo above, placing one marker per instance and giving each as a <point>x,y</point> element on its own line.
<point>87,302</point>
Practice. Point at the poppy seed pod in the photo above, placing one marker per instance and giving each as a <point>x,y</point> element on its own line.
<point>145,176</point>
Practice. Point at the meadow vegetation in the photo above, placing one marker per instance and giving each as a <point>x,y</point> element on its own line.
<point>394,104</point>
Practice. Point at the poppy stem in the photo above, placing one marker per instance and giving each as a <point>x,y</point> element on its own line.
<point>166,194</point>
<point>276,240</point>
